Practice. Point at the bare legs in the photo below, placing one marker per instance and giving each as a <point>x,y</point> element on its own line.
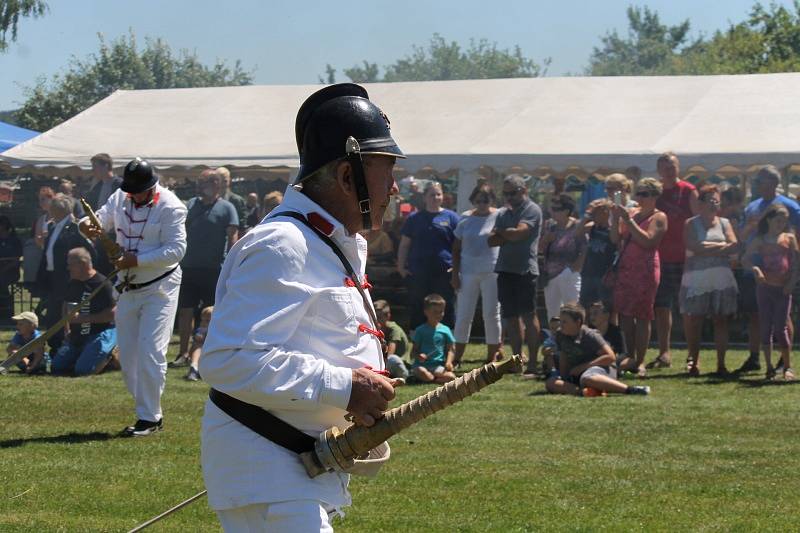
<point>637,336</point>
<point>664,331</point>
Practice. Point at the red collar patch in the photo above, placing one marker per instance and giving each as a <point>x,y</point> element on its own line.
<point>321,223</point>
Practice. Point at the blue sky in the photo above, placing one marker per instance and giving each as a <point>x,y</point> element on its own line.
<point>291,42</point>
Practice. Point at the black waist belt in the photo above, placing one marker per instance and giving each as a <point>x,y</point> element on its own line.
<point>263,422</point>
<point>135,286</point>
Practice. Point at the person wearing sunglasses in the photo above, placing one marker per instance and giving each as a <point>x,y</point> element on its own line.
<point>679,202</point>
<point>516,232</point>
<point>564,247</point>
<point>474,275</point>
<point>638,233</point>
<point>708,286</point>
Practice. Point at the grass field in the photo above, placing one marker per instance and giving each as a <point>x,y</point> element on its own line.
<point>699,454</point>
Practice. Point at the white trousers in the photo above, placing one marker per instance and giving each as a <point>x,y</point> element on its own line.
<point>562,289</point>
<point>144,320</point>
<point>473,285</point>
<point>297,516</point>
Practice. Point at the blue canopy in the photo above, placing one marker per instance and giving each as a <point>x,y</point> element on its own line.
<point>11,136</point>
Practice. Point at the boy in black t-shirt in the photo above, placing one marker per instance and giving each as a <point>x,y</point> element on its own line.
<point>587,364</point>
<point>91,334</point>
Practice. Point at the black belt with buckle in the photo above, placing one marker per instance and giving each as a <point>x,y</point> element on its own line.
<point>136,286</point>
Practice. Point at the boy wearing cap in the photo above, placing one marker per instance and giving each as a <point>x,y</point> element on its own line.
<point>27,324</point>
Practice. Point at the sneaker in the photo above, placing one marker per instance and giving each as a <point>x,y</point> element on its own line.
<point>750,365</point>
<point>179,362</point>
<point>639,390</point>
<point>143,428</point>
<point>192,375</point>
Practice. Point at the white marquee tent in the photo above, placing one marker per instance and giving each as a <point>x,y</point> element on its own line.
<point>538,125</point>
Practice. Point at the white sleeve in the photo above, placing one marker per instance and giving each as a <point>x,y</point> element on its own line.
<point>261,300</point>
<point>173,239</point>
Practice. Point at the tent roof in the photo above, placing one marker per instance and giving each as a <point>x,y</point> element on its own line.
<point>11,135</point>
<point>589,122</point>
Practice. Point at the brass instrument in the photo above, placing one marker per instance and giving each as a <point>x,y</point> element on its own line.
<point>112,249</point>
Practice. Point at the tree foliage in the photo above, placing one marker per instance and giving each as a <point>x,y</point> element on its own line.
<point>442,60</point>
<point>120,64</point>
<point>767,41</point>
<point>649,48</point>
<point>10,13</point>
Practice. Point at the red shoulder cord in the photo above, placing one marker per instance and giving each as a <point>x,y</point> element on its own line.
<point>349,282</point>
<point>384,373</point>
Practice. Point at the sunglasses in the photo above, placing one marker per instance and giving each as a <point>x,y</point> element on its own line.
<point>711,201</point>
<point>510,194</point>
<point>646,194</point>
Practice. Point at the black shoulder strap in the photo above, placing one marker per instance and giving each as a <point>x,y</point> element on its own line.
<point>351,273</point>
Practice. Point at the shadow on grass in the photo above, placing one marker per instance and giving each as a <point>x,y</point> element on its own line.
<point>67,438</point>
<point>757,384</point>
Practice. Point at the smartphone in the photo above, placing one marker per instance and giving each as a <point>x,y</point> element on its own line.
<point>617,197</point>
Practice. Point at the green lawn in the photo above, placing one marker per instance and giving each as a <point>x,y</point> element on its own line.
<point>699,454</point>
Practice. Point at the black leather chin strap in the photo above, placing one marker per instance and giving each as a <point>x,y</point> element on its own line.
<point>353,151</point>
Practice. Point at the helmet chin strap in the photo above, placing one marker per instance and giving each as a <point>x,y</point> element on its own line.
<point>353,151</point>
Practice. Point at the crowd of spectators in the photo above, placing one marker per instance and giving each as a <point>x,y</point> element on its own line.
<point>637,253</point>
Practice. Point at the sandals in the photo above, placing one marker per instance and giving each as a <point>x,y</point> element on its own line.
<point>770,374</point>
<point>694,370</point>
<point>659,362</point>
<point>788,375</point>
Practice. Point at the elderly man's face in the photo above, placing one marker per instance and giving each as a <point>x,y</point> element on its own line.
<point>56,212</point>
<point>380,182</point>
<point>76,267</point>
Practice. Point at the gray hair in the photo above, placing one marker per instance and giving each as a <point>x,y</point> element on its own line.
<point>81,254</point>
<point>322,179</point>
<point>63,202</point>
<point>516,181</point>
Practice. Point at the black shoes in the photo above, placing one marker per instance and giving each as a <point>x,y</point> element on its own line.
<point>143,428</point>
<point>749,365</point>
<point>638,390</point>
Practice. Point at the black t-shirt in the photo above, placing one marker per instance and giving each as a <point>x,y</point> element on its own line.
<point>615,339</point>
<point>104,299</point>
<point>600,252</point>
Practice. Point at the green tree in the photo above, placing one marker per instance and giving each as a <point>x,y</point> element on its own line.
<point>120,64</point>
<point>10,13</point>
<point>768,41</point>
<point>442,60</point>
<point>649,48</point>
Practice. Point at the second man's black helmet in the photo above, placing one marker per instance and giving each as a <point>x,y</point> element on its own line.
<point>139,176</point>
<point>339,122</point>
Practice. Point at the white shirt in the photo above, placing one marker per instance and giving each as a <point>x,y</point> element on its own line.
<point>53,238</point>
<point>284,336</point>
<point>156,233</point>
<point>477,257</point>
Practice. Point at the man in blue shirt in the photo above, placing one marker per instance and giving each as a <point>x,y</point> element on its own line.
<point>765,186</point>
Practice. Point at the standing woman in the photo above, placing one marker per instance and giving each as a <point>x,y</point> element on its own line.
<point>424,257</point>
<point>564,247</point>
<point>772,256</point>
<point>473,273</point>
<point>638,233</point>
<point>708,286</point>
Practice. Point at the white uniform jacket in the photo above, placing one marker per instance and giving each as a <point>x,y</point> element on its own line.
<point>284,336</point>
<point>156,233</point>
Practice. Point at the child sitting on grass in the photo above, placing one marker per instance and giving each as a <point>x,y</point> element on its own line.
<point>432,353</point>
<point>27,324</point>
<point>396,340</point>
<point>196,348</point>
<point>587,364</point>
